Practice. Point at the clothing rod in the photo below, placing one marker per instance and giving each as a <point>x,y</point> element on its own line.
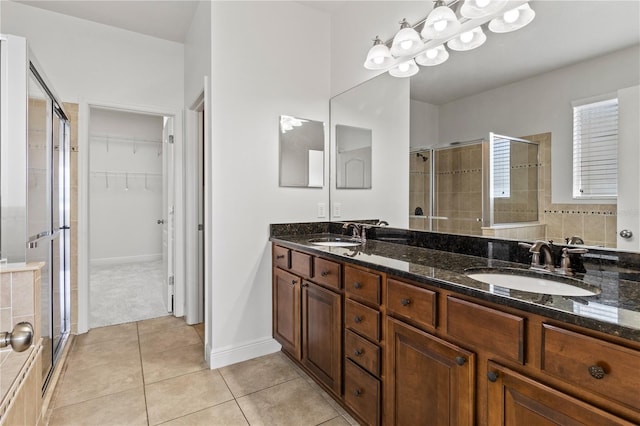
<point>124,174</point>
<point>116,138</point>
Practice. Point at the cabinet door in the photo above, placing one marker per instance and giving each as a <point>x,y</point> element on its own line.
<point>514,399</point>
<point>429,381</point>
<point>322,334</point>
<point>286,311</point>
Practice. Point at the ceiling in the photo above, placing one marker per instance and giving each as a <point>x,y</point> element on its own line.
<point>165,19</point>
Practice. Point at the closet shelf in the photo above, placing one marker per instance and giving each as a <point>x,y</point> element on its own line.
<point>135,142</point>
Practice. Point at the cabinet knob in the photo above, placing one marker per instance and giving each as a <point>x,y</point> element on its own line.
<point>405,302</point>
<point>597,372</point>
<point>357,285</point>
<point>460,360</point>
<point>358,352</point>
<point>293,282</point>
<point>305,285</point>
<point>280,256</point>
<point>357,392</point>
<point>492,376</point>
<point>324,273</point>
<point>357,319</point>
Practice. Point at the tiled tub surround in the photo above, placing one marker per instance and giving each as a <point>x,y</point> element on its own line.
<point>440,260</point>
<point>20,372</point>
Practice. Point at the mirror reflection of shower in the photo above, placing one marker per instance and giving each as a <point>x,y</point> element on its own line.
<point>460,188</point>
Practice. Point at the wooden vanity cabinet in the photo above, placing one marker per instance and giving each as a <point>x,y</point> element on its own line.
<point>286,311</point>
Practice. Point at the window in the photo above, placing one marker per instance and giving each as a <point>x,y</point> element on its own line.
<point>501,167</point>
<point>595,149</point>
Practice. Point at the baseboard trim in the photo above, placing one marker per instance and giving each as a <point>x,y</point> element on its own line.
<point>231,355</point>
<point>127,259</point>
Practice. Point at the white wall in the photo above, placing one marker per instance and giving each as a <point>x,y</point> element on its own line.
<point>197,53</point>
<point>124,211</point>
<point>541,104</point>
<point>268,58</point>
<point>424,125</point>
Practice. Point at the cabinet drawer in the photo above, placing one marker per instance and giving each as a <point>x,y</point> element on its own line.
<point>362,285</point>
<point>362,393</point>
<point>301,264</point>
<point>281,257</point>
<point>326,272</point>
<point>415,304</point>
<point>363,320</point>
<point>362,352</point>
<point>478,326</point>
<point>593,364</point>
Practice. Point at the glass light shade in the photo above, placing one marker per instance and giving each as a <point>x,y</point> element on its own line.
<point>440,23</point>
<point>406,42</point>
<point>432,57</point>
<point>480,8</point>
<point>379,56</point>
<point>513,19</point>
<point>468,40</point>
<point>405,69</point>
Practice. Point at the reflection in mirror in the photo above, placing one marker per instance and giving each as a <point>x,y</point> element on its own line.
<point>353,146</point>
<point>494,89</point>
<point>301,152</point>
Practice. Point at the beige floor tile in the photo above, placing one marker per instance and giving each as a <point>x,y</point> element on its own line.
<point>179,396</point>
<point>88,383</point>
<point>337,421</point>
<point>160,323</point>
<point>292,403</point>
<point>258,373</point>
<point>115,333</point>
<point>174,362</point>
<point>104,352</point>
<point>123,408</point>
<point>162,340</point>
<point>226,414</point>
<point>200,330</point>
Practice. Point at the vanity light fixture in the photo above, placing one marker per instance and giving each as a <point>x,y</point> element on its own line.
<point>424,43</point>
<point>288,122</point>
<point>468,40</point>
<point>513,19</point>
<point>407,41</point>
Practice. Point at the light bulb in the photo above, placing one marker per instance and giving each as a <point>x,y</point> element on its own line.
<point>440,25</point>
<point>378,60</point>
<point>406,44</point>
<point>404,67</point>
<point>466,37</point>
<point>482,3</point>
<point>511,16</point>
<point>432,53</point>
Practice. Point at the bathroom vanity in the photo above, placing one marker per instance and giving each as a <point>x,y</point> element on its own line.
<point>399,334</point>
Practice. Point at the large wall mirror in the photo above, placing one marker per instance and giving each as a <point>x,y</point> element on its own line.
<point>353,145</point>
<point>521,84</point>
<point>301,152</point>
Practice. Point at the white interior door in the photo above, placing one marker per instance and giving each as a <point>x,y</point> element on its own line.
<point>168,210</point>
<point>628,220</point>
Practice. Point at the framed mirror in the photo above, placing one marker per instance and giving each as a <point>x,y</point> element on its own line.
<point>301,152</point>
<point>353,167</point>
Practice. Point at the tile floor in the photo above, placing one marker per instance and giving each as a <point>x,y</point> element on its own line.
<point>156,374</point>
<point>126,292</point>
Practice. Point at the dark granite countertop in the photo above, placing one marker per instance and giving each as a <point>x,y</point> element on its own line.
<point>615,311</point>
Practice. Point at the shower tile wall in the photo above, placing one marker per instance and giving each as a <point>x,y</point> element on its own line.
<point>595,223</point>
<point>419,189</point>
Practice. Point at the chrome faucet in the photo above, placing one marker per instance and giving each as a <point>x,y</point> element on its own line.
<point>565,262</point>
<point>358,231</point>
<point>575,240</point>
<point>537,248</point>
<point>382,223</point>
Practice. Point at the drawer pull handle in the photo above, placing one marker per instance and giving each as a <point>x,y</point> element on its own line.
<point>357,319</point>
<point>358,352</point>
<point>597,372</point>
<point>357,285</point>
<point>460,360</point>
<point>293,282</point>
<point>492,376</point>
<point>324,273</point>
<point>280,256</point>
<point>357,392</point>
<point>405,302</point>
<point>305,285</point>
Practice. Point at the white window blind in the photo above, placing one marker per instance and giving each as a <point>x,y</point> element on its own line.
<point>501,173</point>
<point>595,149</point>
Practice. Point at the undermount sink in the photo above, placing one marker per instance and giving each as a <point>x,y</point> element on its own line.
<point>532,281</point>
<point>335,242</point>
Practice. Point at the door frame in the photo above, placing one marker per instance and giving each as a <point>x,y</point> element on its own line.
<point>84,108</point>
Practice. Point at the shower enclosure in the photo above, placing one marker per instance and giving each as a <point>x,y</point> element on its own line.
<point>34,181</point>
<point>470,187</point>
